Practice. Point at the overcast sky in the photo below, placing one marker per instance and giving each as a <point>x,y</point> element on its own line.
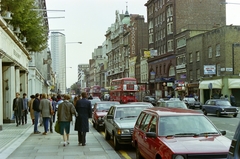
<point>87,21</point>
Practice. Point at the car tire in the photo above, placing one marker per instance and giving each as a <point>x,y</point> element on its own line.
<point>138,154</point>
<point>200,107</point>
<point>93,124</point>
<point>205,112</point>
<point>218,114</point>
<point>107,135</point>
<point>97,127</point>
<point>235,115</point>
<point>115,143</point>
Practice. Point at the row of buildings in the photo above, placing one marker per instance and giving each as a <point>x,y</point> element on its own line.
<point>182,48</point>
<point>26,71</point>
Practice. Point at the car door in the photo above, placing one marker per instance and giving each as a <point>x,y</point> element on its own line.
<point>152,143</point>
<point>207,106</point>
<point>212,107</point>
<point>144,142</point>
<point>107,121</point>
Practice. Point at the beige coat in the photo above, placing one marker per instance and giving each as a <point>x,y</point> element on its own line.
<point>30,105</point>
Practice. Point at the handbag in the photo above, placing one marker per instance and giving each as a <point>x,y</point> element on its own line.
<point>57,127</point>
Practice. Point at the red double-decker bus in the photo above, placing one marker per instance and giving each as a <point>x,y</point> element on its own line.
<point>124,90</point>
<point>95,91</point>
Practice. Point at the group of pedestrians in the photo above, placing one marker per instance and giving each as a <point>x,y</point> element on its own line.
<point>45,108</point>
<point>81,108</point>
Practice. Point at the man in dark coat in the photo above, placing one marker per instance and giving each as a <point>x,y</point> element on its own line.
<point>84,111</point>
<point>18,108</point>
<point>36,109</point>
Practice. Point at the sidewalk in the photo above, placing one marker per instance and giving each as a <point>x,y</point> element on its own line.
<point>20,143</point>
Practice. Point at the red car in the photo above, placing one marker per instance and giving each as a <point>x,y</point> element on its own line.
<point>99,111</point>
<point>175,133</point>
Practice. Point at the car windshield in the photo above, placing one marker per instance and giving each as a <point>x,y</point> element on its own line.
<point>185,125</point>
<point>190,99</point>
<point>128,112</point>
<point>104,106</point>
<point>93,101</point>
<point>176,104</point>
<point>223,103</point>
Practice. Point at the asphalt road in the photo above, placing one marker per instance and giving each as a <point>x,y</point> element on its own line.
<point>227,123</point>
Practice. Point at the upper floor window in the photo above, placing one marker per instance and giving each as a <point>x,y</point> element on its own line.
<point>210,52</point>
<point>170,45</point>
<point>171,71</point>
<point>198,74</point>
<point>218,50</point>
<point>170,28</point>
<point>190,57</point>
<point>198,56</point>
<point>191,75</point>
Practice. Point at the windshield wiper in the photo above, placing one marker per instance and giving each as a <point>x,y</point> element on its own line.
<point>128,117</point>
<point>193,134</point>
<point>208,133</point>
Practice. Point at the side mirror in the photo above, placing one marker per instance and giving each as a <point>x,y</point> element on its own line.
<point>151,134</point>
<point>109,117</point>
<point>223,132</point>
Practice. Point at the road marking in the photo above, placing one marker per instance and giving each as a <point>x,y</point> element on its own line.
<point>125,155</point>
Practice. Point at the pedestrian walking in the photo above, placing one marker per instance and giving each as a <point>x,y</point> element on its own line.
<point>84,111</point>
<point>54,104</point>
<point>36,109</point>
<point>30,107</point>
<point>25,108</point>
<point>51,117</point>
<point>64,114</point>
<point>18,108</point>
<point>232,100</point>
<point>46,108</point>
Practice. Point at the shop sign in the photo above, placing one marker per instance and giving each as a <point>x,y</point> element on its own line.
<point>209,69</point>
<point>181,66</point>
<point>169,84</point>
<point>164,79</point>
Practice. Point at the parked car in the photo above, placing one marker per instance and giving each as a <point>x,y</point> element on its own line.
<point>150,99</point>
<point>174,133</point>
<point>219,107</point>
<point>93,101</point>
<point>234,150</point>
<point>99,111</point>
<point>119,123</point>
<point>172,104</point>
<point>192,102</point>
<point>141,103</point>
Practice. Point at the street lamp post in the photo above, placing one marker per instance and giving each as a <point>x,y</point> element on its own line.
<point>234,45</point>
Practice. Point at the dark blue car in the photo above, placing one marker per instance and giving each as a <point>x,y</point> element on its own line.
<point>219,107</point>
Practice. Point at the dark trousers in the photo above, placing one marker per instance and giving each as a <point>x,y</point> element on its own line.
<point>51,123</point>
<point>82,137</point>
<point>24,117</point>
<point>18,119</point>
<point>53,117</point>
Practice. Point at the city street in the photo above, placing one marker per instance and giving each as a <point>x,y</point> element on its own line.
<point>19,142</point>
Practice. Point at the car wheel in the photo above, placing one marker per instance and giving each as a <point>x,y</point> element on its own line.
<point>138,154</point>
<point>218,114</point>
<point>235,115</point>
<point>107,135</point>
<point>200,107</point>
<point>97,127</point>
<point>204,112</point>
<point>93,124</point>
<point>115,143</point>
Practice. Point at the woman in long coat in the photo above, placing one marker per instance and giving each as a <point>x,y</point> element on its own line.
<point>84,111</point>
<point>30,105</point>
<point>46,108</point>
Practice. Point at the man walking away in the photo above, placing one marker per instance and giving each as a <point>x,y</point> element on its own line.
<point>25,108</point>
<point>18,108</point>
<point>36,109</point>
<point>84,111</point>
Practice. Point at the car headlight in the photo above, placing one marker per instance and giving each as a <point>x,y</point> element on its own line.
<point>178,157</point>
<point>222,109</point>
<point>123,131</point>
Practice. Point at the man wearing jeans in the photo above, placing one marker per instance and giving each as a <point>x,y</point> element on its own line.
<point>36,109</point>
<point>25,108</point>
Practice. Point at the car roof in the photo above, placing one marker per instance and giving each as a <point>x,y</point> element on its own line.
<point>132,105</point>
<point>166,111</point>
<point>114,102</point>
<point>145,103</point>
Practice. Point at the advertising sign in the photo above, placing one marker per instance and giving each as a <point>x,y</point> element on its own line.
<point>209,69</point>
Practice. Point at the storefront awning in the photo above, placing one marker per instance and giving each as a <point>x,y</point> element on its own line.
<point>233,83</point>
<point>216,84</point>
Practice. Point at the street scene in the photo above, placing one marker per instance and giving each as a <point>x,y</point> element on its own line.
<point>111,79</point>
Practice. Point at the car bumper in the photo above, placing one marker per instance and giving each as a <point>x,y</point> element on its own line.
<point>228,113</point>
<point>125,139</point>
